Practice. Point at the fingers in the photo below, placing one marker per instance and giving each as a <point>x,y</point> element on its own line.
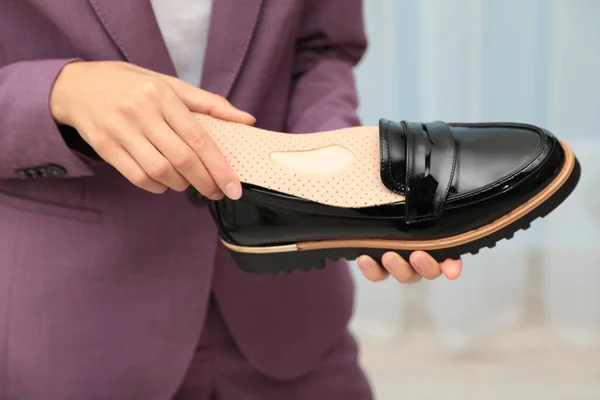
<point>202,144</point>
<point>429,268</point>
<point>123,162</point>
<point>146,155</point>
<point>156,165</point>
<point>219,107</point>
<point>421,265</point>
<point>201,101</point>
<point>371,269</point>
<point>452,268</point>
<point>425,265</point>
<point>181,157</point>
<point>401,270</point>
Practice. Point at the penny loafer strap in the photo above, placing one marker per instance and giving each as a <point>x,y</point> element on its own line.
<point>392,144</point>
<point>418,161</point>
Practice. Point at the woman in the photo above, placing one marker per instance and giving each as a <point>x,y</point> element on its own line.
<point>108,290</point>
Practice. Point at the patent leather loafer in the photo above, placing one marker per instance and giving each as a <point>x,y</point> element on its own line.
<point>445,188</point>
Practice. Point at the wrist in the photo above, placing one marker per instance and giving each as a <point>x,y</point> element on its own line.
<point>62,91</point>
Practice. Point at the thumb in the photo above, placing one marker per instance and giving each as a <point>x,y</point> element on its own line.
<point>201,101</point>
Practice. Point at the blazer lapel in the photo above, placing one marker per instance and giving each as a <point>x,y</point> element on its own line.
<point>232,26</point>
<point>133,27</point>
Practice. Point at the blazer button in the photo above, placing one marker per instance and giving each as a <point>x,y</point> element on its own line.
<point>33,173</point>
<point>195,197</point>
<point>53,171</point>
<point>21,173</point>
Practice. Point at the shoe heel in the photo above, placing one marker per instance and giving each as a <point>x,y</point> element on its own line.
<point>276,263</point>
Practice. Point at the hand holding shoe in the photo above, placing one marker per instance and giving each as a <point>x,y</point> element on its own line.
<point>421,265</point>
<point>141,123</point>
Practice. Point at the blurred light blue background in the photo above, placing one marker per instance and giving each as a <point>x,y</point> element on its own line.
<point>524,320</point>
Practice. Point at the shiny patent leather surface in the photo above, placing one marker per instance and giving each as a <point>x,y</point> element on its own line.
<point>497,168</point>
<point>430,168</point>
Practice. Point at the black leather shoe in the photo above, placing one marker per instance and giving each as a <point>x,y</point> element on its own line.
<point>448,189</point>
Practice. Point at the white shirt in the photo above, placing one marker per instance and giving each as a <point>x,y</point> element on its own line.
<point>184,26</point>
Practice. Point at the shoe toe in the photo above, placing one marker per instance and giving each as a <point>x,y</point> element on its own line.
<point>490,156</point>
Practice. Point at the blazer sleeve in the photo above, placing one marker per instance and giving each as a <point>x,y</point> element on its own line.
<point>330,44</point>
<point>29,137</point>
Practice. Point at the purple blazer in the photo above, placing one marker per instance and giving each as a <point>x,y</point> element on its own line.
<point>97,275</point>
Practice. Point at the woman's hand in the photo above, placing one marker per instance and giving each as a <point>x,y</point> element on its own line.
<point>421,265</point>
<point>139,121</point>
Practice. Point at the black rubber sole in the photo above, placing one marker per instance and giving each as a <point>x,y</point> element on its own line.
<point>306,260</point>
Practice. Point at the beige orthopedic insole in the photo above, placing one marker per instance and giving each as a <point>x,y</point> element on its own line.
<point>338,168</point>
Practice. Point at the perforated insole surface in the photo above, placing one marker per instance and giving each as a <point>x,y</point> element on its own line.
<point>338,168</point>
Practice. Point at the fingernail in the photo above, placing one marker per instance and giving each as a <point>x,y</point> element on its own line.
<point>217,195</point>
<point>233,190</point>
<point>421,263</point>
